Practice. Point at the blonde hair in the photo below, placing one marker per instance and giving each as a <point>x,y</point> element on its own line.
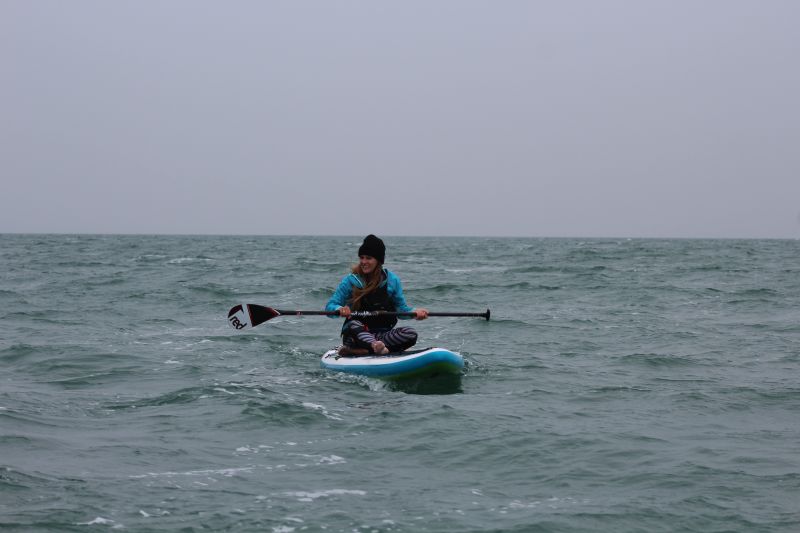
<point>371,283</point>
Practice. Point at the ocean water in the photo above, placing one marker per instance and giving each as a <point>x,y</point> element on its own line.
<point>621,385</point>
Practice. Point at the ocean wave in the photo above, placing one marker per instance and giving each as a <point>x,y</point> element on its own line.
<point>44,316</point>
<point>283,413</point>
<point>439,289</point>
<point>214,290</point>
<point>658,360</point>
<point>18,352</point>
<point>179,397</point>
<point>19,481</point>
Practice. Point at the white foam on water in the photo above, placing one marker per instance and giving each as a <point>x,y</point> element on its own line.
<point>323,459</point>
<point>180,260</point>
<point>321,409</point>
<point>100,521</point>
<point>227,472</point>
<point>246,449</point>
<point>551,503</point>
<point>311,496</point>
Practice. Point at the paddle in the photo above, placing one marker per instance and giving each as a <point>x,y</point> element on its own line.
<point>250,315</point>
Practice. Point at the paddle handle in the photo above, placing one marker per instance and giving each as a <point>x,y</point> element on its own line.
<point>485,315</point>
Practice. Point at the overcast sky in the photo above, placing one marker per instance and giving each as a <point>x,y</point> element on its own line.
<point>612,118</point>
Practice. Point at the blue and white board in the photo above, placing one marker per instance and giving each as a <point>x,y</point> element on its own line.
<point>419,363</point>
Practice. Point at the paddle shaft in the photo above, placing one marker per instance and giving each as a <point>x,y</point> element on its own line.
<point>250,315</point>
<point>365,314</point>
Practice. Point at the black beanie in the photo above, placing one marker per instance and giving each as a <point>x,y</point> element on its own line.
<point>373,247</point>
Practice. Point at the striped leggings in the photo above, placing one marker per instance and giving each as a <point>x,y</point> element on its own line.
<point>356,335</point>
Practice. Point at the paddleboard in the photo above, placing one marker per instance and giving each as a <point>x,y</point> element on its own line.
<point>412,364</point>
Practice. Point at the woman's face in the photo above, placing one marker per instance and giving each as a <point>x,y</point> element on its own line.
<point>367,263</point>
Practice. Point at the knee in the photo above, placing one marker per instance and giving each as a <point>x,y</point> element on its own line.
<point>409,334</point>
<point>354,327</point>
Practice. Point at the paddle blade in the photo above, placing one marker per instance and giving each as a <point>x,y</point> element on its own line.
<point>249,315</point>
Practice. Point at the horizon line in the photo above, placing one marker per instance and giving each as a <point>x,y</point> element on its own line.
<point>393,235</point>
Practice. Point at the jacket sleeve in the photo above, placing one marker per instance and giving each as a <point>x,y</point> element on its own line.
<point>395,290</point>
<point>343,293</point>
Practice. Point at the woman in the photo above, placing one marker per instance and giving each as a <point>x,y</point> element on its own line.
<point>370,287</point>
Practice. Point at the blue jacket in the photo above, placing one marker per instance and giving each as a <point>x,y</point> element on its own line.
<point>344,292</point>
